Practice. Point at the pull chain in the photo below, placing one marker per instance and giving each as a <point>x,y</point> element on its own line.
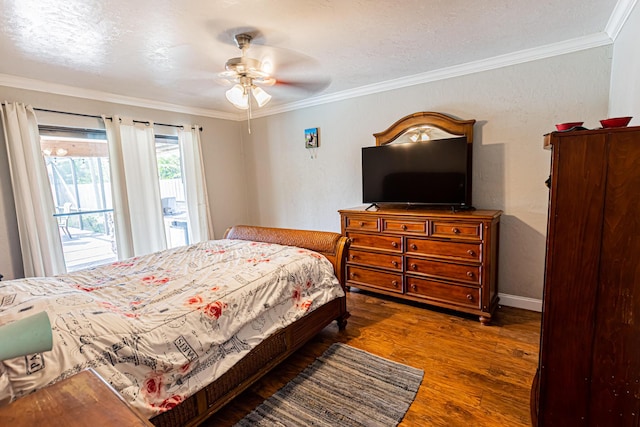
<point>249,111</point>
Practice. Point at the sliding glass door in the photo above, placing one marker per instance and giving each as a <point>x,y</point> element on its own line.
<point>78,169</point>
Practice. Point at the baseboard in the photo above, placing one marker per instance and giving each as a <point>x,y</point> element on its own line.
<point>520,302</point>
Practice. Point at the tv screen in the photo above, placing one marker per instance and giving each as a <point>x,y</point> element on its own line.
<point>434,172</point>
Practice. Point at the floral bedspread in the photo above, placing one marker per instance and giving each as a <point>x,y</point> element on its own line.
<point>162,326</point>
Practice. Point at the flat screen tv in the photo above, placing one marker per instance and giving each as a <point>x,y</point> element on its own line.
<point>436,172</point>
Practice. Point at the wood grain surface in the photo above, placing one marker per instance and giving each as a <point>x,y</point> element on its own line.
<point>475,375</point>
<point>84,399</point>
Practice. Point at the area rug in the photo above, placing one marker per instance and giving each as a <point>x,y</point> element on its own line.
<point>343,387</point>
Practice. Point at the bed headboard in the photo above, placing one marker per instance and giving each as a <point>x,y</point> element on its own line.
<point>331,245</point>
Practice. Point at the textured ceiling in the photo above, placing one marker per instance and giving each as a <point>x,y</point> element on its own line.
<point>171,51</point>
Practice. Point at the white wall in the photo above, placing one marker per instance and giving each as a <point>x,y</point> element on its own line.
<point>625,71</point>
<point>222,152</point>
<point>513,106</point>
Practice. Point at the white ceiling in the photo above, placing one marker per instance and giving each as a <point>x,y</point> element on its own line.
<point>168,53</point>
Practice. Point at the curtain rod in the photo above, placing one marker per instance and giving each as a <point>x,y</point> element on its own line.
<point>110,118</point>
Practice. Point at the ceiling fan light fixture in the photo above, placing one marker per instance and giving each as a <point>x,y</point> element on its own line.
<point>248,73</point>
<point>420,134</point>
<point>237,96</point>
<point>261,97</point>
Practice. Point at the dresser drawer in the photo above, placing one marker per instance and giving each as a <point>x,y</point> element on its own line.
<point>375,259</point>
<point>388,281</point>
<point>375,241</point>
<point>444,270</point>
<point>440,249</point>
<point>368,223</point>
<point>399,226</point>
<point>460,295</point>
<point>459,230</point>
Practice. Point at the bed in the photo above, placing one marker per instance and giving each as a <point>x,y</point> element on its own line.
<point>181,332</point>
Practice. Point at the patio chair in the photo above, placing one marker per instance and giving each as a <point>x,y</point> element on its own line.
<point>63,221</point>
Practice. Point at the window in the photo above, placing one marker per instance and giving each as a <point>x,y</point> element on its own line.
<point>172,191</point>
<point>77,162</point>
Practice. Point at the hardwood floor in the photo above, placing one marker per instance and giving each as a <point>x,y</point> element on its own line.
<point>474,375</point>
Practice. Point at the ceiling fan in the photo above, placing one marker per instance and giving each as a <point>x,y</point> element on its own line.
<point>297,74</point>
<point>248,74</point>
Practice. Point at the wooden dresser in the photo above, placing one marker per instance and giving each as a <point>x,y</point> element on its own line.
<point>589,364</point>
<point>438,257</point>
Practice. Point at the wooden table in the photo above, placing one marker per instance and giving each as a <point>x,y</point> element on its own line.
<point>84,399</point>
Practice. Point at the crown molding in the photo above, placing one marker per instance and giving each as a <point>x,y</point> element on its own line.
<point>527,55</point>
<point>618,17</point>
<point>58,89</point>
<point>622,11</point>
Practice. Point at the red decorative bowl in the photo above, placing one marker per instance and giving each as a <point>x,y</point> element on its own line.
<point>569,125</point>
<point>615,122</point>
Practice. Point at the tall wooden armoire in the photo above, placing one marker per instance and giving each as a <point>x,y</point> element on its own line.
<point>589,366</point>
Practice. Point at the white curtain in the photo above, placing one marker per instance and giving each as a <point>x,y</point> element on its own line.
<point>200,227</point>
<point>139,224</point>
<point>40,242</point>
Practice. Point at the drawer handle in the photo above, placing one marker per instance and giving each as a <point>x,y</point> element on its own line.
<point>353,275</point>
<point>361,224</point>
<point>414,246</point>
<point>470,274</point>
<point>404,227</point>
<point>455,230</point>
<point>352,256</point>
<point>395,263</point>
<point>394,244</point>
<point>470,297</point>
<point>414,266</point>
<point>395,283</point>
<point>471,252</point>
<point>413,286</point>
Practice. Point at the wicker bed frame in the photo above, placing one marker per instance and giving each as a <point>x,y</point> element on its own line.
<point>279,346</point>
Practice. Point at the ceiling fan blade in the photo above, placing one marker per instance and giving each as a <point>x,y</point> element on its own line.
<point>309,86</point>
<point>227,74</point>
<point>225,81</point>
<point>267,81</point>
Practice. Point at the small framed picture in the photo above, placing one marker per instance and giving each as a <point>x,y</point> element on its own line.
<point>311,138</point>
